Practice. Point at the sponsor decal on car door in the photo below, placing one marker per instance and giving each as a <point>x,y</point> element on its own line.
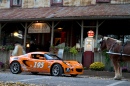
<point>39,65</point>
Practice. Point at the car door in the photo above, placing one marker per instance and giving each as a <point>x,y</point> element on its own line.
<point>37,65</point>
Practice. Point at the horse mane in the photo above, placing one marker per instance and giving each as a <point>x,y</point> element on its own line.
<point>116,40</point>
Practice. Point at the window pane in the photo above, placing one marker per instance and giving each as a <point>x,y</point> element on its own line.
<point>16,2</point>
<point>57,1</point>
<point>103,0</point>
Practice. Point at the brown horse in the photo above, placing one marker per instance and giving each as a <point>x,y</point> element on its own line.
<point>118,51</point>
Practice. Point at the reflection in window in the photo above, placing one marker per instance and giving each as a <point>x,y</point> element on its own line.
<point>57,1</point>
<point>103,0</point>
<point>15,2</point>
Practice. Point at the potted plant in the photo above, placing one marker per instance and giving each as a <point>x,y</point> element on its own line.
<point>74,51</point>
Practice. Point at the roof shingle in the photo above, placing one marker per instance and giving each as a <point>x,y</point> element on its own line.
<point>96,11</point>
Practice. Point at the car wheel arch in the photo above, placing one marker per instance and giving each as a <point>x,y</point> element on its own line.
<point>55,64</point>
<point>14,61</point>
<point>20,69</point>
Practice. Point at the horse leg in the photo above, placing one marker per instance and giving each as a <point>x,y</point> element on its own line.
<point>118,72</point>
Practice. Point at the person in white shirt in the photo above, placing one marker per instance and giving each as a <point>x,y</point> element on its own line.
<point>18,50</point>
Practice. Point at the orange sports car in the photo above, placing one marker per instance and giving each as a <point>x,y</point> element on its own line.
<point>45,62</point>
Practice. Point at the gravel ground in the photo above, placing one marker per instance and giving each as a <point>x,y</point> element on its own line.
<point>17,84</point>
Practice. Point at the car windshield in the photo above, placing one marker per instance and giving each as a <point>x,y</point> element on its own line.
<point>52,57</point>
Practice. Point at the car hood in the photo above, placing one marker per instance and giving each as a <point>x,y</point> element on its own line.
<point>72,62</point>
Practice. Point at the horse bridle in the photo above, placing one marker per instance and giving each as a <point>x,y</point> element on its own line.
<point>112,46</point>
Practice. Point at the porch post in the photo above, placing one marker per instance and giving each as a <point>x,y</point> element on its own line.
<point>96,34</point>
<point>0,32</point>
<point>52,33</point>
<point>1,27</point>
<point>82,24</point>
<point>25,34</point>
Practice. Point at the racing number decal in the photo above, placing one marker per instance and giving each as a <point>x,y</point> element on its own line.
<point>38,64</point>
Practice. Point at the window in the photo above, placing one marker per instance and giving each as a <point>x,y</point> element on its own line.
<point>15,2</point>
<point>56,2</point>
<point>103,0</point>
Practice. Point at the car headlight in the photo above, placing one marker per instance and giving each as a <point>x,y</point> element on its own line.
<point>67,69</point>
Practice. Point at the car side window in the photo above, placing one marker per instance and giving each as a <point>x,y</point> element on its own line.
<point>38,56</point>
<point>48,57</point>
<point>32,56</point>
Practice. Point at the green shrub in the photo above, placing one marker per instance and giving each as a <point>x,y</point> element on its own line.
<point>6,47</point>
<point>73,50</point>
<point>99,66</point>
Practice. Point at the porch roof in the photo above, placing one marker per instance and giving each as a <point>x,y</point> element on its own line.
<point>99,11</point>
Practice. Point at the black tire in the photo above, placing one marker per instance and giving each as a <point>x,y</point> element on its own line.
<point>56,70</point>
<point>74,75</point>
<point>35,73</point>
<point>15,68</point>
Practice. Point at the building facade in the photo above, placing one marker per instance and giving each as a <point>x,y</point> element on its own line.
<point>75,17</point>
<point>50,3</point>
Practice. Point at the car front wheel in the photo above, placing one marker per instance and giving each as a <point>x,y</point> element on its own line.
<point>56,70</point>
<point>15,68</point>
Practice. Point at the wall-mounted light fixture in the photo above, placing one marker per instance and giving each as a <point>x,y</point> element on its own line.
<point>28,45</point>
<point>60,28</point>
<point>15,33</point>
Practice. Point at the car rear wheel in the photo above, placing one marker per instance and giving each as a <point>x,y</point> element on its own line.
<point>56,70</point>
<point>15,68</point>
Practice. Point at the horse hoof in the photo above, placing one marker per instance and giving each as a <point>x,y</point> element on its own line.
<point>115,78</point>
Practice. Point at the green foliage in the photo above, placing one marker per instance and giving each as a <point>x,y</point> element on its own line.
<point>73,50</point>
<point>111,69</point>
<point>122,64</point>
<point>99,66</point>
<point>6,48</point>
<point>107,58</point>
<point>66,49</point>
<point>85,68</point>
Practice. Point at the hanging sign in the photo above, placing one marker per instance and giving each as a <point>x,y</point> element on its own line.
<point>39,28</point>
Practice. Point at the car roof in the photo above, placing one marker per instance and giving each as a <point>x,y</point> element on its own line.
<point>38,52</point>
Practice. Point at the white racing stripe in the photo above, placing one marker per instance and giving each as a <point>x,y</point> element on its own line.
<point>116,83</point>
<point>31,79</point>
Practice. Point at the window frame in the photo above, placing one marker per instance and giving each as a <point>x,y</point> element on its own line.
<point>18,5</point>
<point>56,4</point>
